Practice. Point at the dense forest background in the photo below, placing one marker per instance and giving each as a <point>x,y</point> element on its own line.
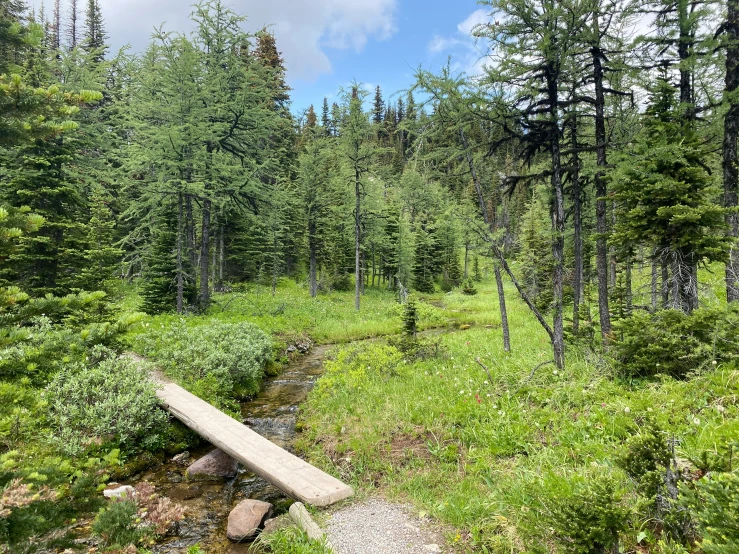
<point>592,166</point>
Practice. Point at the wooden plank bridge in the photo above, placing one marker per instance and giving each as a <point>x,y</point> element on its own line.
<point>290,474</point>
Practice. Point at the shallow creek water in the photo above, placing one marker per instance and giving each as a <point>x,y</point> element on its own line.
<point>272,414</point>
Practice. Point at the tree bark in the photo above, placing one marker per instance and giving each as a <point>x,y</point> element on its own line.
<point>191,237</point>
<point>357,240</point>
<point>180,277</point>
<point>312,252</point>
<point>558,217</point>
<point>654,281</point>
<point>731,133</point>
<point>205,255</point>
<point>496,248</point>
<point>577,284</point>
<point>601,252</point>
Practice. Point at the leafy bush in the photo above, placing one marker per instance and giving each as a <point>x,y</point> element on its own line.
<point>715,502</point>
<point>117,524</point>
<point>469,288</point>
<point>111,401</point>
<point>674,343</point>
<point>587,515</point>
<point>649,460</point>
<point>215,360</point>
<point>128,521</point>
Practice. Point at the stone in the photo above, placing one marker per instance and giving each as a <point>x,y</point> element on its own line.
<point>245,520</point>
<point>214,465</point>
<point>276,523</point>
<point>182,458</point>
<point>126,490</point>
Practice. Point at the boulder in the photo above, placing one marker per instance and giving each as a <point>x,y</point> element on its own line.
<point>246,519</point>
<point>126,490</point>
<point>214,465</point>
<point>182,458</point>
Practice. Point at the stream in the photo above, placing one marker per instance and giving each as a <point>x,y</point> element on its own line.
<point>272,413</point>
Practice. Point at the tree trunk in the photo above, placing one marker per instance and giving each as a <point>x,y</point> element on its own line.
<point>654,281</point>
<point>503,309</point>
<point>601,251</point>
<point>180,277</point>
<point>665,285</point>
<point>577,284</point>
<point>731,133</point>
<point>628,287</point>
<point>221,253</point>
<point>205,255</point>
<point>496,248</point>
<point>466,258</point>
<point>312,249</point>
<point>558,219</point>
<point>191,237</point>
<point>357,240</point>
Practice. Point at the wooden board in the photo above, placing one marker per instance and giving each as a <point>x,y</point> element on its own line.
<point>290,474</point>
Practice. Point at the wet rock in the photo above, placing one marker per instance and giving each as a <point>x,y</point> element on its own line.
<point>184,492</point>
<point>120,492</point>
<point>246,519</point>
<point>276,523</point>
<point>174,477</point>
<point>182,458</point>
<point>214,465</point>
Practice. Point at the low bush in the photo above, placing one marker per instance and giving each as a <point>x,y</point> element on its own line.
<point>587,516</point>
<point>216,360</point>
<point>715,501</point>
<point>673,343</point>
<point>111,402</point>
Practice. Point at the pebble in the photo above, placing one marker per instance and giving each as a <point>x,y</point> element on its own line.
<point>376,526</point>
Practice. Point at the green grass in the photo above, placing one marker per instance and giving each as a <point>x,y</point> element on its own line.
<point>290,540</point>
<point>484,457</point>
<point>331,317</point>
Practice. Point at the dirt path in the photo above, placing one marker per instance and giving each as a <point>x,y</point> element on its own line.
<point>376,526</point>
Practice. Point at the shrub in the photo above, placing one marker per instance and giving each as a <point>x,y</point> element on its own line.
<point>715,502</point>
<point>469,288</point>
<point>112,401</point>
<point>649,460</point>
<point>589,518</point>
<point>674,343</point>
<point>117,524</point>
<point>215,359</point>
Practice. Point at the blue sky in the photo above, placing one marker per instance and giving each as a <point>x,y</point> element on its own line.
<point>426,33</point>
<point>326,43</point>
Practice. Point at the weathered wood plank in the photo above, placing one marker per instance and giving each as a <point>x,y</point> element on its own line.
<point>287,472</point>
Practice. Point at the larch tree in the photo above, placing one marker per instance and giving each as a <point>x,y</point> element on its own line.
<point>532,43</point>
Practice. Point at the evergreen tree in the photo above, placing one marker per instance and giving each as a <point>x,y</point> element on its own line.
<point>311,120</point>
<point>73,24</point>
<point>326,117</point>
<point>378,107</point>
<point>94,36</point>
<point>665,197</point>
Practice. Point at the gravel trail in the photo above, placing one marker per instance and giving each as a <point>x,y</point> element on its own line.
<point>375,526</point>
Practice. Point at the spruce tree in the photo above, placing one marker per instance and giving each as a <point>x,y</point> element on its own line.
<point>94,41</point>
<point>378,107</point>
<point>665,197</point>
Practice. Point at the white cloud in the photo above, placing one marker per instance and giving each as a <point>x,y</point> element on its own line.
<point>303,30</point>
<point>464,49</point>
<point>478,17</point>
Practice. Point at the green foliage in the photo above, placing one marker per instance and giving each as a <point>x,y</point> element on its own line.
<point>469,287</point>
<point>118,524</point>
<point>715,502</point>
<point>649,459</point>
<point>217,360</point>
<point>111,401</point>
<point>292,540</point>
<point>673,343</point>
<point>589,518</point>
<point>410,318</point>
